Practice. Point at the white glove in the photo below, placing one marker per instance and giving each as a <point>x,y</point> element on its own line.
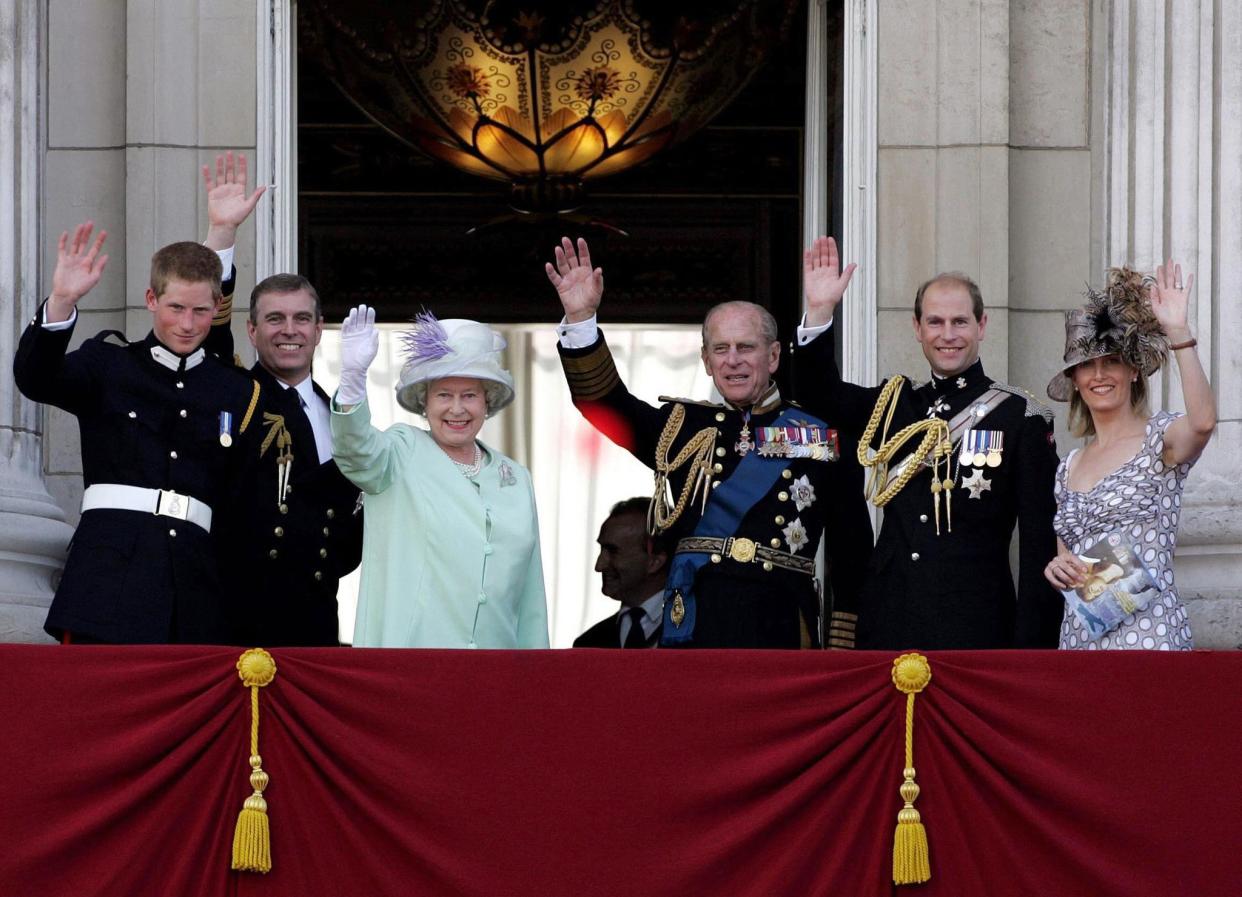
<point>359,346</point>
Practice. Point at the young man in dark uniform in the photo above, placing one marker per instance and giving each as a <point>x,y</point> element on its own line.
<point>167,432</point>
<point>755,480</point>
<point>940,576</point>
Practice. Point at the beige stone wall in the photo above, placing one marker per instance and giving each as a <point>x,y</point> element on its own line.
<point>985,167</point>
<point>139,96</point>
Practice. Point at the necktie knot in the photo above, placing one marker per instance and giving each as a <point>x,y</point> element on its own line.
<point>636,637</point>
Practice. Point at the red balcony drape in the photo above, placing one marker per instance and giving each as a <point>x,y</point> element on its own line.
<point>618,773</point>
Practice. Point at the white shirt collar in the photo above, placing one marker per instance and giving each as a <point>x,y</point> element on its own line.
<point>172,360</point>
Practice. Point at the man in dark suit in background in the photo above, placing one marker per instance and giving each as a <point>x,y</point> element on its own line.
<point>633,566</point>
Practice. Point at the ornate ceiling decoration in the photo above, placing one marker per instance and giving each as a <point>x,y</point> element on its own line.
<point>543,96</point>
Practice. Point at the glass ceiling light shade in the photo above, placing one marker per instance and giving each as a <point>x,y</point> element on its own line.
<point>543,96</point>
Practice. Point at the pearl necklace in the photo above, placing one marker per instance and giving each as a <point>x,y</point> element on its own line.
<point>472,469</point>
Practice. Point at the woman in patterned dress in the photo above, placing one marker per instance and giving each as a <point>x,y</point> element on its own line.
<point>1128,478</point>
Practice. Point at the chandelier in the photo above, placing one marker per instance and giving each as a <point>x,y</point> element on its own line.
<point>543,96</point>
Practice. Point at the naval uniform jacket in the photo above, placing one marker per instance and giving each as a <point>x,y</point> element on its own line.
<point>284,562</point>
<point>133,576</point>
<point>956,589</point>
<point>739,603</point>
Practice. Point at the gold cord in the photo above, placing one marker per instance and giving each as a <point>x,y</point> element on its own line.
<point>697,452</point>
<point>935,441</point>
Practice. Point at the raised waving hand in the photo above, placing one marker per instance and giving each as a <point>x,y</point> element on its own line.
<point>580,286</point>
<point>79,266</point>
<point>228,204</point>
<point>823,280</point>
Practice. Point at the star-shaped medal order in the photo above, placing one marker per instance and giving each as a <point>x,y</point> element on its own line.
<point>977,483</point>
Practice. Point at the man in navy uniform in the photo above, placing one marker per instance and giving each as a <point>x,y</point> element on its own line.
<point>285,560</point>
<point>940,575</point>
<point>167,432</point>
<point>755,480</point>
<point>633,566</point>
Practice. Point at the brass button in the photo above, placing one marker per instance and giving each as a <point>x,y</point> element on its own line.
<point>173,455</point>
<point>718,467</point>
<point>284,509</point>
<point>331,513</point>
<point>326,531</point>
<point>779,520</point>
<point>720,416</point>
<point>173,533</point>
<point>715,484</point>
<point>787,473</point>
<point>323,552</point>
<point>782,495</point>
<point>775,543</point>
<point>767,566</point>
<point>922,518</point>
<point>720,452</point>
<point>318,576</point>
<point>715,559</point>
<point>280,531</point>
<point>184,413</point>
<point>133,415</point>
<point>272,554</point>
<point>180,385</point>
<point>914,555</point>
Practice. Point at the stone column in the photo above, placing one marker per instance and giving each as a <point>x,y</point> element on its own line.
<point>1171,173</point>
<point>33,532</point>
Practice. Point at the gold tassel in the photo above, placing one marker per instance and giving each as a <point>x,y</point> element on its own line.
<point>252,843</point>
<point>911,865</point>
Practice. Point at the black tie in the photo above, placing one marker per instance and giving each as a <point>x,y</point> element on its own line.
<point>636,638</point>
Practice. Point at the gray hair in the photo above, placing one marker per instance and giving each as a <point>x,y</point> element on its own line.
<point>767,323</point>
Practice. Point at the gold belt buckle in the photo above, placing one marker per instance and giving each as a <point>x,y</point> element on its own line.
<point>742,550</point>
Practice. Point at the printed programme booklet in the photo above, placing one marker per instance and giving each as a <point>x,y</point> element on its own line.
<point>1117,585</point>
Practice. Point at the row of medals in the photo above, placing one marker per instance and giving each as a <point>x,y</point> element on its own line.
<point>980,448</point>
<point>817,451</point>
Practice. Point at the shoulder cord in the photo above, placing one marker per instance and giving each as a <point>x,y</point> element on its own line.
<point>935,442</point>
<point>698,452</point>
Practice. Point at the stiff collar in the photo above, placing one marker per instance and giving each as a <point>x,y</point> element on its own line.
<point>972,376</point>
<point>170,359</point>
<point>769,401</point>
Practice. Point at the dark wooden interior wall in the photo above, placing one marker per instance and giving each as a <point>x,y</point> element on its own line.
<point>717,218</point>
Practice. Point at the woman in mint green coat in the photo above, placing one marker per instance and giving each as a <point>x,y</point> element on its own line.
<point>450,549</point>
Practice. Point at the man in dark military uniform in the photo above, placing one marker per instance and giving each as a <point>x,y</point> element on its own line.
<point>634,567</point>
<point>284,563</point>
<point>167,432</point>
<point>755,480</point>
<point>940,575</point>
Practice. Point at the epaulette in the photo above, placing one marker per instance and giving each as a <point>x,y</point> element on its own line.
<point>700,402</point>
<point>103,335</point>
<point>1033,405</point>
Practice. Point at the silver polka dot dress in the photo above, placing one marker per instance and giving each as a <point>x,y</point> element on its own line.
<point>1142,498</point>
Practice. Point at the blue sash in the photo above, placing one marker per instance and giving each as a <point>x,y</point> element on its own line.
<point>727,505</point>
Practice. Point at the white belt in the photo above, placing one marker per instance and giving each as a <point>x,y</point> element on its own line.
<point>103,496</point>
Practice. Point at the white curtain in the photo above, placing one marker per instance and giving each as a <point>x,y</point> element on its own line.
<point>578,474</point>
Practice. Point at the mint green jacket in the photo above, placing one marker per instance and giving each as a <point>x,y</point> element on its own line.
<point>447,562</point>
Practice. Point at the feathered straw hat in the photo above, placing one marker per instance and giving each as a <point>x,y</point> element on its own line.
<point>454,347</point>
<point>1117,320</point>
